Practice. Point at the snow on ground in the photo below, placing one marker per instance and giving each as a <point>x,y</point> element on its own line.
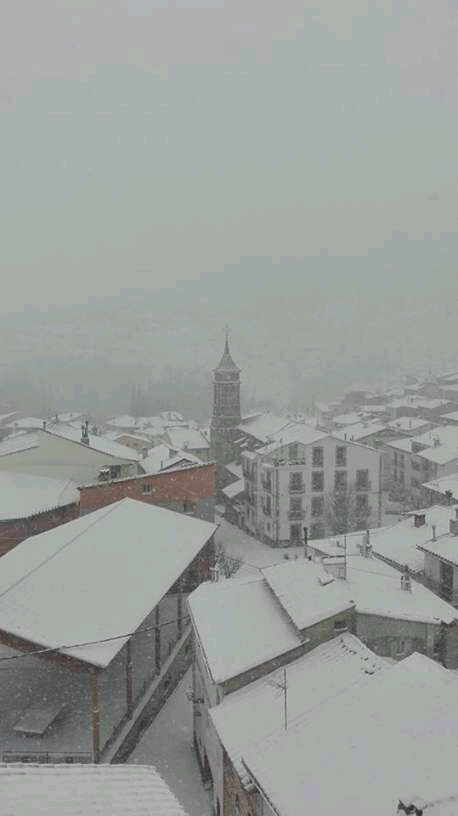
<point>168,745</point>
<point>254,554</point>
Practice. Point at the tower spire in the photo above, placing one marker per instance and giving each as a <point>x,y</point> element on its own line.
<point>226,363</point>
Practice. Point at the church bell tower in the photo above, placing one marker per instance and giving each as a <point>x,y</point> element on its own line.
<point>226,411</point>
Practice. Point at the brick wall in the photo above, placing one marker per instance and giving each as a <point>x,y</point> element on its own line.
<point>188,489</point>
<point>13,532</point>
<point>237,801</point>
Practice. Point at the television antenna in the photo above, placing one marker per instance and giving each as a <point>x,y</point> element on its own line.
<point>282,686</point>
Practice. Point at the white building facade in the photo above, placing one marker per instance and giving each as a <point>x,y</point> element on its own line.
<point>327,486</point>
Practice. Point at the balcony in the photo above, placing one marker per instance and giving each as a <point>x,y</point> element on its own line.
<point>362,487</point>
<point>266,484</point>
<point>297,488</point>
<point>296,515</point>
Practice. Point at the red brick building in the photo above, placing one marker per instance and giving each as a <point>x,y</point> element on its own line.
<point>33,504</point>
<point>186,490</point>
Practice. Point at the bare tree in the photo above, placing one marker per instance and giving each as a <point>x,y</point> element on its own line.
<point>228,566</point>
<point>345,512</point>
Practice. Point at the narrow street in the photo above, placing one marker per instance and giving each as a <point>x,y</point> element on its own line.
<point>167,745</point>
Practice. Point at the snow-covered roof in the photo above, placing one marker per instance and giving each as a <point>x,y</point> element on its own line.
<point>16,443</point>
<point>240,625</point>
<point>445,547</point>
<point>26,423</point>
<point>265,426</point>
<point>444,484</point>
<point>96,442</point>
<point>406,423</point>
<point>393,736</point>
<point>441,455</point>
<point>294,433</point>
<point>404,444</point>
<point>183,438</point>
<point>373,586</point>
<point>376,590</point>
<point>162,457</point>
<point>307,593</point>
<point>235,469</point>
<point>256,711</point>
<point>128,422</point>
<point>234,489</point>
<point>399,542</point>
<point>96,577</point>
<point>92,790</point>
<point>347,419</point>
<point>359,431</point>
<point>22,495</point>
<point>5,417</point>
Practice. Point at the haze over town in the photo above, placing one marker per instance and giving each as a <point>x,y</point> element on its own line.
<point>229,407</point>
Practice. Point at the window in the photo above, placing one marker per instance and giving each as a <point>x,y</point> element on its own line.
<point>341,456</point>
<point>293,451</point>
<point>317,506</point>
<point>189,507</point>
<point>362,479</point>
<point>362,505</point>
<point>317,531</point>
<point>295,481</point>
<point>295,507</point>
<point>317,480</point>
<point>267,506</point>
<point>318,457</point>
<point>340,480</point>
<point>295,532</point>
<point>401,476</point>
<point>147,488</point>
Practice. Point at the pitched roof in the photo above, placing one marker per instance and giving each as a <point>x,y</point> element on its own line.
<point>18,442</point>
<point>184,438</point>
<point>240,625</point>
<point>307,592</point>
<point>256,711</point>
<point>226,363</point>
<point>364,750</point>
<point>96,577</point>
<point>96,442</point>
<point>373,586</point>
<point>92,790</point>
<point>444,484</point>
<point>22,495</point>
<point>162,457</point>
<point>399,542</point>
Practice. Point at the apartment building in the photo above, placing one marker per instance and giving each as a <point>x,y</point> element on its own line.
<point>314,481</point>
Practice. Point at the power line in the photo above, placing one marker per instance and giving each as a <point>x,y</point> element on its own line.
<point>55,649</point>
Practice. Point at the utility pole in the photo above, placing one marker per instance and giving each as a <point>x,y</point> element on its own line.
<point>283,686</point>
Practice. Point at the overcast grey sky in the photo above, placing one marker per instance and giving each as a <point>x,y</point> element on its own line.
<point>297,160</point>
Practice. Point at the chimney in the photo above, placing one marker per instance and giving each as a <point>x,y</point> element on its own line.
<point>306,538</point>
<point>419,519</point>
<point>406,583</point>
<point>366,547</point>
<point>214,572</point>
<point>44,424</point>
<point>85,433</point>
<point>434,532</point>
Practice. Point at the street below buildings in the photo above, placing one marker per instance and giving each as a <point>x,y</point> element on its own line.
<point>168,745</point>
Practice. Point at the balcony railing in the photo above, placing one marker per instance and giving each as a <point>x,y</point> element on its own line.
<point>297,488</point>
<point>296,514</point>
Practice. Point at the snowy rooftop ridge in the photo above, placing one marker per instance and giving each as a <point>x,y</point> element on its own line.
<point>91,580</point>
<point>307,592</point>
<point>92,790</point>
<point>385,733</point>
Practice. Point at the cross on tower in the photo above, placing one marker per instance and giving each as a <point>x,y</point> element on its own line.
<point>226,332</point>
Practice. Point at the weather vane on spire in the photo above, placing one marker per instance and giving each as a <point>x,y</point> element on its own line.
<point>226,332</point>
